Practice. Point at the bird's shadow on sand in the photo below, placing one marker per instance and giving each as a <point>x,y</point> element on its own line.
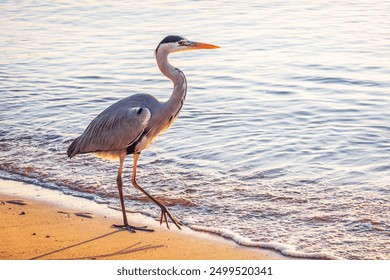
<point>128,250</point>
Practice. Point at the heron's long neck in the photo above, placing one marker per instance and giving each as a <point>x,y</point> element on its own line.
<point>176,100</point>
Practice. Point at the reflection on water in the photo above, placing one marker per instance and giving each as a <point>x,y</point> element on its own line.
<point>284,136</point>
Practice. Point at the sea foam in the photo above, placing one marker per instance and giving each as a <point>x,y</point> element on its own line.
<point>285,249</point>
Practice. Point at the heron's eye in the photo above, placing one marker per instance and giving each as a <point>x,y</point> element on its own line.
<point>182,43</point>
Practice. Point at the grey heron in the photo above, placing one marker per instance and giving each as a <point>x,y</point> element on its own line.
<point>131,124</point>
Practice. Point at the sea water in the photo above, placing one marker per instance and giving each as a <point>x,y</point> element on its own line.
<point>283,141</point>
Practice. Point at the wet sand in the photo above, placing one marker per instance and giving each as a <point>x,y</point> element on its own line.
<point>44,224</point>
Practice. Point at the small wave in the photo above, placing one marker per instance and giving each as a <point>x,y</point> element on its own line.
<point>320,219</point>
<point>20,177</point>
<point>26,171</point>
<point>270,173</point>
<point>285,249</point>
<point>366,224</point>
<point>88,77</point>
<point>339,80</point>
<point>382,168</point>
<point>167,201</point>
<point>279,92</point>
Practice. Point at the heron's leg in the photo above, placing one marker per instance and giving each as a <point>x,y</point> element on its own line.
<point>120,186</point>
<point>164,209</point>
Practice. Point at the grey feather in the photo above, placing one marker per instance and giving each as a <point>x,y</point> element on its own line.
<point>114,129</point>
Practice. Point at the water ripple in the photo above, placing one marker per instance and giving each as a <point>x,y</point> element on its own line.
<point>286,126</point>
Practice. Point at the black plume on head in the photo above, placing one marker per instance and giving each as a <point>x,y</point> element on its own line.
<point>169,39</point>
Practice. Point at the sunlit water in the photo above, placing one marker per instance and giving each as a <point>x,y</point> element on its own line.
<point>284,137</point>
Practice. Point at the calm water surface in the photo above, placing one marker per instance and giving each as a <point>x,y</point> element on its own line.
<point>284,139</point>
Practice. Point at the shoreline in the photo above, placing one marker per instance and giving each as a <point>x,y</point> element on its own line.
<point>39,223</point>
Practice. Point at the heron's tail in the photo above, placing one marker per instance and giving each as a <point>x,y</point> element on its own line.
<point>73,148</point>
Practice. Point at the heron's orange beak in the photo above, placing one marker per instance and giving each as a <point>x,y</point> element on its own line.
<point>199,45</point>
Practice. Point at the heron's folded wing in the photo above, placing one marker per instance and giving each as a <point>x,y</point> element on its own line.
<point>114,130</point>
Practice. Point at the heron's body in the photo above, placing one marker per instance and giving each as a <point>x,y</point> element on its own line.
<point>130,125</point>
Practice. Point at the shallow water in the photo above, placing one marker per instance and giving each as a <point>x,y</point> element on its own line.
<point>284,137</point>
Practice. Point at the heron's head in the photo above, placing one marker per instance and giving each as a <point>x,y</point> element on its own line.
<point>174,43</point>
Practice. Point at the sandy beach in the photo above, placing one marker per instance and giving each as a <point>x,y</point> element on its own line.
<point>39,223</point>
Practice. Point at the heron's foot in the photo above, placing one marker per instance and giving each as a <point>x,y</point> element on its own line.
<point>132,228</point>
<point>164,213</point>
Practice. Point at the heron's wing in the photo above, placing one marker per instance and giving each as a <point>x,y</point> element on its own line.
<point>111,130</point>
